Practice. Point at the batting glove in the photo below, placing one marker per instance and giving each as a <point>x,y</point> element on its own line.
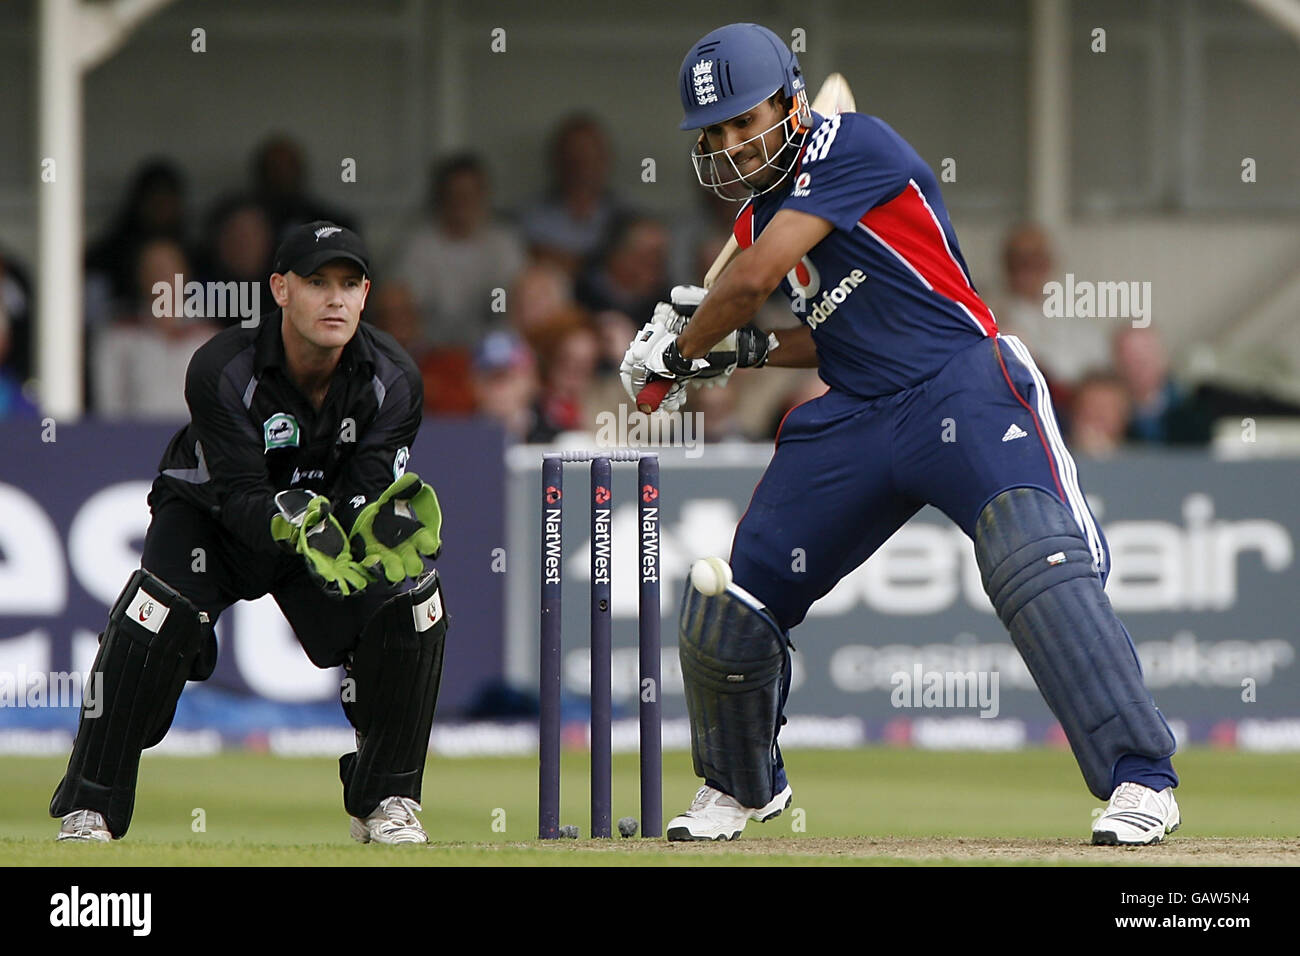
<point>747,347</point>
<point>685,300</point>
<point>662,325</point>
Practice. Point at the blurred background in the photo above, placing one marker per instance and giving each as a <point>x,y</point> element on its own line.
<point>517,171</point>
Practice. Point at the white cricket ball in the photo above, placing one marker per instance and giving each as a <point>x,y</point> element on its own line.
<point>710,576</point>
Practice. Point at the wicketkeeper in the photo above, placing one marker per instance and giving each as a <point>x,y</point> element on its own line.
<point>290,479</point>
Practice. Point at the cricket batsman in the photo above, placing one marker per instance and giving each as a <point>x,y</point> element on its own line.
<point>927,404</point>
<point>290,479</point>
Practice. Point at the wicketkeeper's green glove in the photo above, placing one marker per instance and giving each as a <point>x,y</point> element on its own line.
<point>306,526</point>
<point>398,528</point>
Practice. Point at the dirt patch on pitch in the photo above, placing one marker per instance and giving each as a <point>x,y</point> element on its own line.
<point>1175,851</point>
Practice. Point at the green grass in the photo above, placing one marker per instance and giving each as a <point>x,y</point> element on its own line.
<point>259,809</point>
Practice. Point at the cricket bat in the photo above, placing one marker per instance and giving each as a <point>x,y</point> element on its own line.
<point>833,97</point>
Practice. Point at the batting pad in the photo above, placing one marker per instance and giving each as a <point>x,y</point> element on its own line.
<point>1037,569</point>
<point>145,655</point>
<point>395,670</point>
<point>732,655</point>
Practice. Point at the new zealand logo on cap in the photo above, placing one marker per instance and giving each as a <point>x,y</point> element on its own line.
<point>280,431</point>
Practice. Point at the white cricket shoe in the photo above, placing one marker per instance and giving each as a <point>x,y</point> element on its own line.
<point>392,822</point>
<point>1136,816</point>
<point>84,825</point>
<point>715,815</point>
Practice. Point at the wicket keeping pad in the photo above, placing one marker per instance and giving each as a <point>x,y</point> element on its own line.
<point>394,672</point>
<point>733,656</point>
<point>146,653</point>
<point>1037,569</point>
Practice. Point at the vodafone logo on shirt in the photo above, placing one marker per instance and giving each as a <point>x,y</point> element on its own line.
<point>801,185</point>
<point>832,298</point>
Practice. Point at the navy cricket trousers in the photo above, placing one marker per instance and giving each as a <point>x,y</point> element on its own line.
<point>849,472</point>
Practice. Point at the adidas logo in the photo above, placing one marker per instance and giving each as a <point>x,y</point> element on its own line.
<point>1015,431</point>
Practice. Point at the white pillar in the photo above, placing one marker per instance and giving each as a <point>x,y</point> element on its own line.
<point>1049,112</point>
<point>73,37</point>
<point>59,284</point>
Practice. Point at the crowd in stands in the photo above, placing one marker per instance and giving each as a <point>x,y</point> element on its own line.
<point>1110,380</point>
<point>525,318</point>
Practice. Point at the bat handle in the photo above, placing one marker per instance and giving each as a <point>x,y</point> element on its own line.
<point>652,394</point>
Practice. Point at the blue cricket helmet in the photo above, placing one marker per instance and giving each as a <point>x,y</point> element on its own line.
<point>732,70</point>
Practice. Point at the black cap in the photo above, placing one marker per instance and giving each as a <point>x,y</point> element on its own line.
<point>306,248</point>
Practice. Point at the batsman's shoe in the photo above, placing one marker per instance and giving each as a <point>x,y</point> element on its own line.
<point>714,815</point>
<point>774,806</point>
<point>84,825</point>
<point>1136,816</point>
<point>392,822</point>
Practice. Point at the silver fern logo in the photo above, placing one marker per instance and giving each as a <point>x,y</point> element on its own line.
<point>326,231</point>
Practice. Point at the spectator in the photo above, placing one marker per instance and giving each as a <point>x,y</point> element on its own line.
<point>1163,411</point>
<point>505,387</point>
<point>1100,416</point>
<point>574,221</point>
<point>543,313</point>
<point>717,404</point>
<point>1064,348</point>
<point>154,208</point>
<point>391,307</point>
<point>239,247</point>
<point>16,314</point>
<point>568,379</point>
<point>633,273</point>
<point>13,402</point>
<point>140,360</point>
<point>615,331</point>
<point>540,293</point>
<point>710,224</point>
<point>280,187</point>
<point>455,261</point>
<point>448,386</point>
<point>705,252</point>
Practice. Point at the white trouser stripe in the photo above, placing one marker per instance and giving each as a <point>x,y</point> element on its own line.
<point>1065,464</point>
